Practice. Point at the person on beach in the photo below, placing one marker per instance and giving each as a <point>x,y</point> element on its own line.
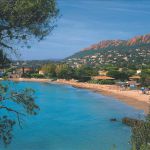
<point>143,90</point>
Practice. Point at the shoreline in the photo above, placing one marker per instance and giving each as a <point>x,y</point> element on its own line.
<point>30,80</point>
<point>132,98</point>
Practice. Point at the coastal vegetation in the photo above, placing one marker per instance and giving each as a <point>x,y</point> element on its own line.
<point>4,60</point>
<point>122,75</point>
<point>33,75</point>
<point>64,71</point>
<point>145,77</point>
<point>24,98</point>
<point>108,82</point>
<point>84,73</point>
<point>140,138</point>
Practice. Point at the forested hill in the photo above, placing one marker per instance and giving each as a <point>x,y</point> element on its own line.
<point>122,53</point>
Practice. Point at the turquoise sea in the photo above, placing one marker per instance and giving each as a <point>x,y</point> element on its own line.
<point>72,119</point>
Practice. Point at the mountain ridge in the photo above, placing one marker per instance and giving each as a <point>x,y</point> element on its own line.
<point>122,53</point>
<point>106,43</point>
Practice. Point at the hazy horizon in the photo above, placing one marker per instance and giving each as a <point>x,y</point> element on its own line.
<point>87,22</point>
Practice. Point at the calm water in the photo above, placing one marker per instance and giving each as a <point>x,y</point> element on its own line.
<point>72,119</point>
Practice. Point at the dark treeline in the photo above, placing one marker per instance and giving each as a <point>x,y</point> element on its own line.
<point>64,71</point>
<point>84,73</point>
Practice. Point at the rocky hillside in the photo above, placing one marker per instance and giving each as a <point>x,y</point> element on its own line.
<point>134,41</point>
<point>122,53</point>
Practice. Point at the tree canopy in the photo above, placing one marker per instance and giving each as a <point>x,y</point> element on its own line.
<point>21,20</point>
<point>4,61</point>
<point>145,77</point>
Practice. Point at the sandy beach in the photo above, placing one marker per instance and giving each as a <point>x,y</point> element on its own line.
<point>133,98</point>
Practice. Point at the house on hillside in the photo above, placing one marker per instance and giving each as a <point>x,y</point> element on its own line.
<point>133,82</point>
<point>120,69</point>
<point>102,72</point>
<point>135,78</point>
<point>24,70</point>
<point>41,72</point>
<point>18,72</point>
<point>138,71</point>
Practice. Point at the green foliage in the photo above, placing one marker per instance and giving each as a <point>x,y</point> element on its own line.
<point>118,75</point>
<point>84,73</point>
<point>36,75</point>
<point>130,72</point>
<point>64,71</point>
<point>132,122</point>
<point>107,82</point>
<point>109,67</point>
<point>21,20</point>
<point>145,77</point>
<point>26,75</point>
<point>4,61</point>
<point>24,98</point>
<point>141,135</point>
<point>140,139</point>
<point>6,127</point>
<point>49,70</point>
<point>102,82</point>
<point>32,75</point>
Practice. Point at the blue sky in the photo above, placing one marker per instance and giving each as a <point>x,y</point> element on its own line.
<point>85,22</point>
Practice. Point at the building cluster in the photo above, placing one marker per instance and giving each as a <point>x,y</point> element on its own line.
<point>111,56</point>
<point>132,83</point>
<point>17,70</point>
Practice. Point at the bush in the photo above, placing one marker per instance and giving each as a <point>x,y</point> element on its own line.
<point>119,75</point>
<point>83,79</point>
<point>141,136</point>
<point>132,122</point>
<point>102,82</point>
<point>140,139</point>
<point>36,75</point>
<point>26,75</point>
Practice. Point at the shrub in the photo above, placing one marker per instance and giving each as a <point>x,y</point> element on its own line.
<point>36,75</point>
<point>102,81</point>
<point>140,138</point>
